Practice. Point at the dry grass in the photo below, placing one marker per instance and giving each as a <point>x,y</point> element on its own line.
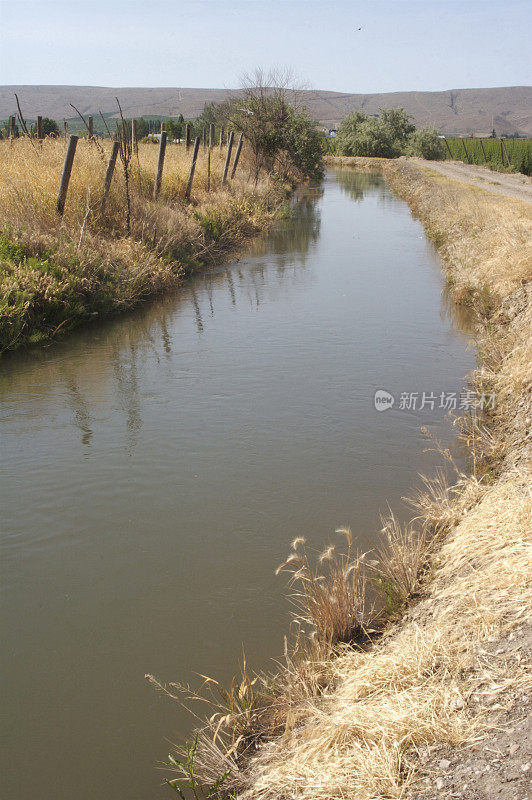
<point>419,684</point>
<point>57,272</point>
<point>329,592</point>
<point>484,240</point>
<point>399,562</point>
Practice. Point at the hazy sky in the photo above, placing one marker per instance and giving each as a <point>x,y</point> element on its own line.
<point>403,44</point>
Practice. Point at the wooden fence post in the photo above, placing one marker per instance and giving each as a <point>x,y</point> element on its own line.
<point>109,174</point>
<point>465,151</point>
<point>91,127</point>
<point>11,127</point>
<point>39,128</point>
<point>134,145</point>
<point>503,146</point>
<point>187,136</point>
<point>192,167</point>
<point>204,137</point>
<point>483,151</point>
<point>65,127</point>
<point>160,163</point>
<point>65,175</point>
<point>447,145</point>
<point>221,137</point>
<point>237,155</point>
<point>211,143</point>
<point>228,156</point>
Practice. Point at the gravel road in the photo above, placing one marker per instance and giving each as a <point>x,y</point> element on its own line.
<point>508,184</point>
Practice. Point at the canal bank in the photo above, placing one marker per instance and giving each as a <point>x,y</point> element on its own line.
<point>158,464</point>
<point>59,272</point>
<point>437,707</point>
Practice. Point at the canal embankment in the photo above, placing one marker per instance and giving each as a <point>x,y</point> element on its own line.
<point>113,248</point>
<point>436,707</point>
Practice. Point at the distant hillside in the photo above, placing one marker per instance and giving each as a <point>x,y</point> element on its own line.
<point>457,111</point>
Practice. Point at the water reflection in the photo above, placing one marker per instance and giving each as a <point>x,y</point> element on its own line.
<point>75,399</point>
<point>126,371</point>
<point>119,349</point>
<point>295,236</point>
<point>356,184</point>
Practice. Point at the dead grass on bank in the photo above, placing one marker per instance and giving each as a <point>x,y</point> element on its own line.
<point>424,682</point>
<point>56,272</point>
<point>485,240</point>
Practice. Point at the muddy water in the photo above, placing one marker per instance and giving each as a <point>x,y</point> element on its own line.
<point>155,468</point>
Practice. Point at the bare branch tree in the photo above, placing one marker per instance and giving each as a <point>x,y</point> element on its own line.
<point>126,153</point>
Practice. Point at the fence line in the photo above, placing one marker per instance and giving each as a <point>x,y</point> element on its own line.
<point>207,138</point>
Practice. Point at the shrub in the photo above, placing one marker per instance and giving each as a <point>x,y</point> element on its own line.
<point>425,143</point>
<point>330,594</point>
<point>383,137</point>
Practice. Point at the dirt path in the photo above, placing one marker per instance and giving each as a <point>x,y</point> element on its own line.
<point>511,185</point>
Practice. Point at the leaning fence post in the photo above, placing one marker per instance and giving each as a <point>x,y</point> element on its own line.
<point>187,136</point>
<point>483,151</point>
<point>192,167</point>
<point>160,163</point>
<point>237,155</point>
<point>65,175</point>
<point>506,153</point>
<point>109,174</point>
<point>39,128</point>
<point>448,148</point>
<point>134,145</point>
<point>228,156</point>
<point>465,151</point>
<point>211,142</point>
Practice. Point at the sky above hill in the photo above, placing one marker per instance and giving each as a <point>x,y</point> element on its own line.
<point>368,47</point>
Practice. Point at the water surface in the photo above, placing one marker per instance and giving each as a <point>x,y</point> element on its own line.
<point>155,468</point>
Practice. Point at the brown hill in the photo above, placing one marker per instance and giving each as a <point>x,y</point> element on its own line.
<point>457,111</point>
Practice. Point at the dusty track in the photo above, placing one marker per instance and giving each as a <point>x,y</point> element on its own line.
<point>510,185</point>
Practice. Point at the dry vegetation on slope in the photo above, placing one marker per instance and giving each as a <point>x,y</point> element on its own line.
<point>57,272</point>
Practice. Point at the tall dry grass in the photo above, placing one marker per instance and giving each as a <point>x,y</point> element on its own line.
<point>56,272</point>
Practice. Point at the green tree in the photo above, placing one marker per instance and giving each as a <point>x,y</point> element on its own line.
<point>347,133</point>
<point>399,123</point>
<point>174,128</point>
<point>282,138</point>
<point>368,136</point>
<point>49,127</point>
<point>425,143</point>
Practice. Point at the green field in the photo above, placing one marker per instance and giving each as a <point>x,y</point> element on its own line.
<point>496,153</point>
